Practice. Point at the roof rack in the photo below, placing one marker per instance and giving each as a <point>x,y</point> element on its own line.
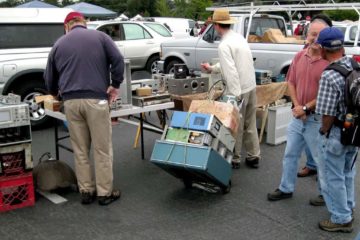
<point>290,9</point>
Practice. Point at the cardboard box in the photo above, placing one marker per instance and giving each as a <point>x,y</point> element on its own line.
<point>42,98</point>
<point>227,113</point>
<point>52,105</point>
<point>143,91</point>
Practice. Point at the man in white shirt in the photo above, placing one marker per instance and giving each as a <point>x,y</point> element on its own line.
<point>237,67</point>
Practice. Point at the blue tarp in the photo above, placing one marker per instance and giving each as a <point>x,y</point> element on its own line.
<point>91,10</point>
<point>36,4</point>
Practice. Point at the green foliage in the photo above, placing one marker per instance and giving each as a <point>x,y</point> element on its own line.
<point>162,8</point>
<point>340,15</point>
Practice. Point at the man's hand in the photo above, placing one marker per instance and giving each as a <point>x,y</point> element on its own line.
<point>206,66</point>
<point>298,112</point>
<point>112,93</point>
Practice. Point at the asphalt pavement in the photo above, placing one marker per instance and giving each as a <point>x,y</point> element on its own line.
<point>155,205</point>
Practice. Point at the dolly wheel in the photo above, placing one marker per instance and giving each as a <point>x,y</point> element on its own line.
<point>226,189</point>
<point>187,183</point>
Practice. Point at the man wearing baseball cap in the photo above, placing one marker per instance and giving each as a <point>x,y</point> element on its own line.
<point>78,70</point>
<point>335,160</point>
<point>237,68</point>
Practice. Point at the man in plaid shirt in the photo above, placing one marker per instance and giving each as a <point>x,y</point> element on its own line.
<point>335,161</point>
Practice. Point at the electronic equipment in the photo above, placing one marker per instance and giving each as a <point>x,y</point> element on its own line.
<point>187,136</point>
<point>14,124</point>
<point>162,81</point>
<point>263,76</point>
<point>180,70</point>
<point>188,85</point>
<point>125,86</point>
<point>204,123</point>
<point>192,163</point>
<point>196,121</point>
<point>150,100</point>
<point>10,99</point>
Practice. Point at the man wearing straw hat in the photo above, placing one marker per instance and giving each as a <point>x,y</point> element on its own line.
<point>237,67</point>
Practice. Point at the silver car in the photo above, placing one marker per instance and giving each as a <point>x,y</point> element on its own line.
<point>137,41</point>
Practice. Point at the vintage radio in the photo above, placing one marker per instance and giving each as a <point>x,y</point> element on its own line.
<point>188,85</point>
<point>150,100</point>
<point>263,76</point>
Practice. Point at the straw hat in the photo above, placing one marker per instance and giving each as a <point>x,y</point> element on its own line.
<point>222,16</point>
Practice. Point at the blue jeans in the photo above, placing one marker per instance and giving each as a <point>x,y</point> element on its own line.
<point>299,134</point>
<point>336,174</point>
<point>310,162</point>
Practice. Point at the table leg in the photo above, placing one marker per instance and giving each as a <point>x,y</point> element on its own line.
<point>142,136</point>
<point>263,122</point>
<point>56,134</point>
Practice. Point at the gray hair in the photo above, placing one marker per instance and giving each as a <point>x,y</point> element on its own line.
<point>317,20</point>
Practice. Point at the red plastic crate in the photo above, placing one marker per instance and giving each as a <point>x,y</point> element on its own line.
<point>14,160</point>
<point>16,192</point>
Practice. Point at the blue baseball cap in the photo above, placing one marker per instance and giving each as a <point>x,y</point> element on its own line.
<point>331,38</point>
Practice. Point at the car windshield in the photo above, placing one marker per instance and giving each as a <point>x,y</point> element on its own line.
<point>158,28</point>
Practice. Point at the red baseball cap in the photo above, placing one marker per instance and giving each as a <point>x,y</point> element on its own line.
<point>72,16</point>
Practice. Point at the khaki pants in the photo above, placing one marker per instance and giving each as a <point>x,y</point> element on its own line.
<point>89,122</point>
<point>247,132</point>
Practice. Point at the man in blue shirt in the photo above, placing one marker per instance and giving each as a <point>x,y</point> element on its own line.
<point>78,70</point>
<point>335,161</point>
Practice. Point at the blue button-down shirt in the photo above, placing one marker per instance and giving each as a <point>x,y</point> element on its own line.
<point>330,99</point>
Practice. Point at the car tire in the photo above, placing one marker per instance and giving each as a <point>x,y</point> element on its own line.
<point>151,65</point>
<point>28,92</point>
<point>170,67</point>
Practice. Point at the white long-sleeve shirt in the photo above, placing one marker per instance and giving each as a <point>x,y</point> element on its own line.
<point>236,64</point>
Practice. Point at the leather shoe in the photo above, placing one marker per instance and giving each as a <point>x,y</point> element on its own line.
<point>317,201</point>
<point>305,172</point>
<point>278,195</point>
<point>252,162</point>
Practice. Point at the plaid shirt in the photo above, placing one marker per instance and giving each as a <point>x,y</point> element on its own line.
<point>330,99</point>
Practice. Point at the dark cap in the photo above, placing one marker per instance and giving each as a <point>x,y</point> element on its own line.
<point>331,38</point>
<point>72,16</point>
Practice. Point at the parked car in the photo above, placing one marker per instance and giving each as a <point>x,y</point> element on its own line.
<point>179,27</point>
<point>137,41</point>
<point>27,35</point>
<point>349,30</point>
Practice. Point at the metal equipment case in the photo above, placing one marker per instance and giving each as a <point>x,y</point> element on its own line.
<point>192,163</point>
<point>185,86</point>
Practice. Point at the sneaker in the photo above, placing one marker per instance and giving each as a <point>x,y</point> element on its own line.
<point>106,200</point>
<point>317,201</point>
<point>87,197</point>
<point>329,226</point>
<point>278,195</point>
<point>252,162</point>
<point>306,172</point>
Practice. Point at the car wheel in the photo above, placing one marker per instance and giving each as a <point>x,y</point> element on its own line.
<point>151,65</point>
<point>28,92</point>
<point>170,66</point>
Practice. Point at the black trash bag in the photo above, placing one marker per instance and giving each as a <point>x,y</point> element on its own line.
<point>51,174</point>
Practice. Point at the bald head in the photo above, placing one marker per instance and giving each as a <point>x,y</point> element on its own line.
<point>315,28</point>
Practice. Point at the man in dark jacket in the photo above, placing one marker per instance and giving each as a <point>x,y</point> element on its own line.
<point>78,70</point>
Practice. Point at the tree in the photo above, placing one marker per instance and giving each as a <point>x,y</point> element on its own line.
<point>162,8</point>
<point>340,15</point>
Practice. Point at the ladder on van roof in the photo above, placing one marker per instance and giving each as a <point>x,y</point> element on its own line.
<point>290,9</point>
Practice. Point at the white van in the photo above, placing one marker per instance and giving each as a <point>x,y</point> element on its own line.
<point>27,35</point>
<point>179,27</point>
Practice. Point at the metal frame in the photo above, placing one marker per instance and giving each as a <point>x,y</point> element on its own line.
<point>290,9</point>
<point>116,113</point>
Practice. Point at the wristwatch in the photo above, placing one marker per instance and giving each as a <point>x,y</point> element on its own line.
<point>306,110</point>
